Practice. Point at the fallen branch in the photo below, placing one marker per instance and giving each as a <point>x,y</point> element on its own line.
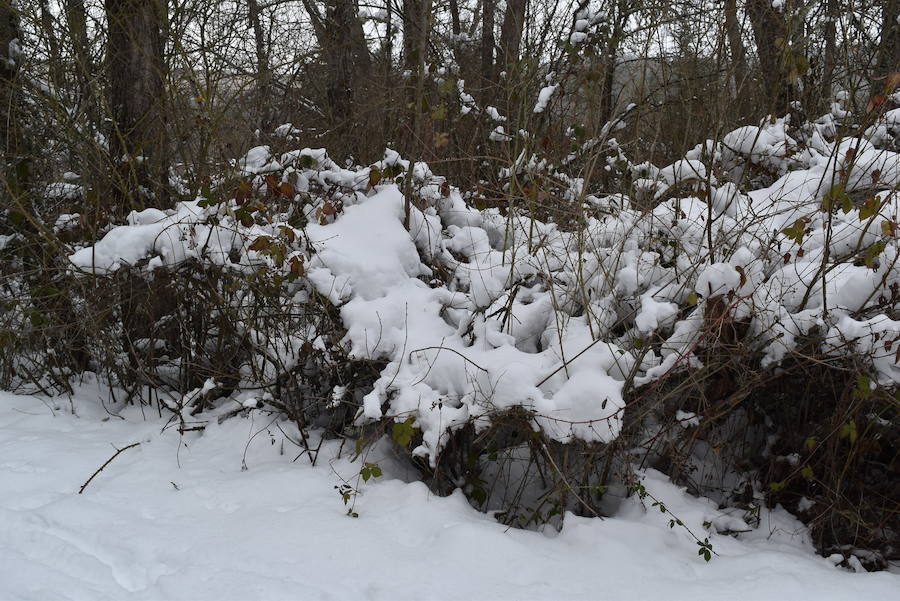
<point>108,461</point>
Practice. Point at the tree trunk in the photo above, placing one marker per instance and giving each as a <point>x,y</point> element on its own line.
<point>511,34</point>
<point>771,35</point>
<point>830,55</point>
<point>54,65</point>
<point>889,46</point>
<point>735,45</point>
<point>9,132</point>
<point>76,19</point>
<point>487,40</point>
<point>262,66</point>
<point>135,70</point>
<point>346,55</point>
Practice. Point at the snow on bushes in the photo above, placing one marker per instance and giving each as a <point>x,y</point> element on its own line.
<point>476,312</point>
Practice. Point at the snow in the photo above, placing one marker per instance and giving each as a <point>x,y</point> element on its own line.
<point>476,312</point>
<point>494,114</point>
<point>368,246</point>
<point>228,514</point>
<point>258,160</point>
<point>498,134</point>
<point>544,97</point>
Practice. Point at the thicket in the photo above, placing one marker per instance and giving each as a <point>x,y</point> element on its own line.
<point>548,245</point>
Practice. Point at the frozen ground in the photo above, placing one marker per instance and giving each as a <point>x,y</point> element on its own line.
<point>182,520</point>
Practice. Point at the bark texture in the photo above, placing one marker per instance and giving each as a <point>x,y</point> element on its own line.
<point>771,34</point>
<point>135,70</point>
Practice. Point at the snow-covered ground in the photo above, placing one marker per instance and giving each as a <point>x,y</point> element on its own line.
<point>178,518</point>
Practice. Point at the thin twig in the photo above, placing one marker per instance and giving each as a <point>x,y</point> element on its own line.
<point>108,461</point>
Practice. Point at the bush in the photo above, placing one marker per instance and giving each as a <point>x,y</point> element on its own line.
<point>731,318</point>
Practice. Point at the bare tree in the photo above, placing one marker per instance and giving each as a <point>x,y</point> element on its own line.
<point>770,31</point>
<point>76,20</point>
<point>829,58</point>
<point>489,9</point>
<point>135,69</point>
<point>9,67</point>
<point>262,64</point>
<point>54,58</point>
<point>511,33</point>
<point>735,45</point>
<point>346,55</point>
<point>889,47</point>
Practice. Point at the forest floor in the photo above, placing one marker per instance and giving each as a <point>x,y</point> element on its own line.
<point>228,513</point>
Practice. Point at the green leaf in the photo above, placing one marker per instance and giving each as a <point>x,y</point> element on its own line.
<point>777,486</point>
<point>807,472</point>
<point>479,495</point>
<point>403,432</point>
<point>693,299</point>
<point>848,431</point>
<point>873,252</point>
<point>837,196</point>
<point>439,112</point>
<point>796,231</point>
<point>869,208</point>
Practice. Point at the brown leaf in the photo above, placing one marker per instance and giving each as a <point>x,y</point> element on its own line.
<point>262,243</point>
<point>877,101</point>
<point>374,176</point>
<point>242,193</point>
<point>297,266</point>
<point>892,81</point>
<point>271,184</point>
<point>286,189</point>
<point>740,270</point>
<point>288,233</point>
